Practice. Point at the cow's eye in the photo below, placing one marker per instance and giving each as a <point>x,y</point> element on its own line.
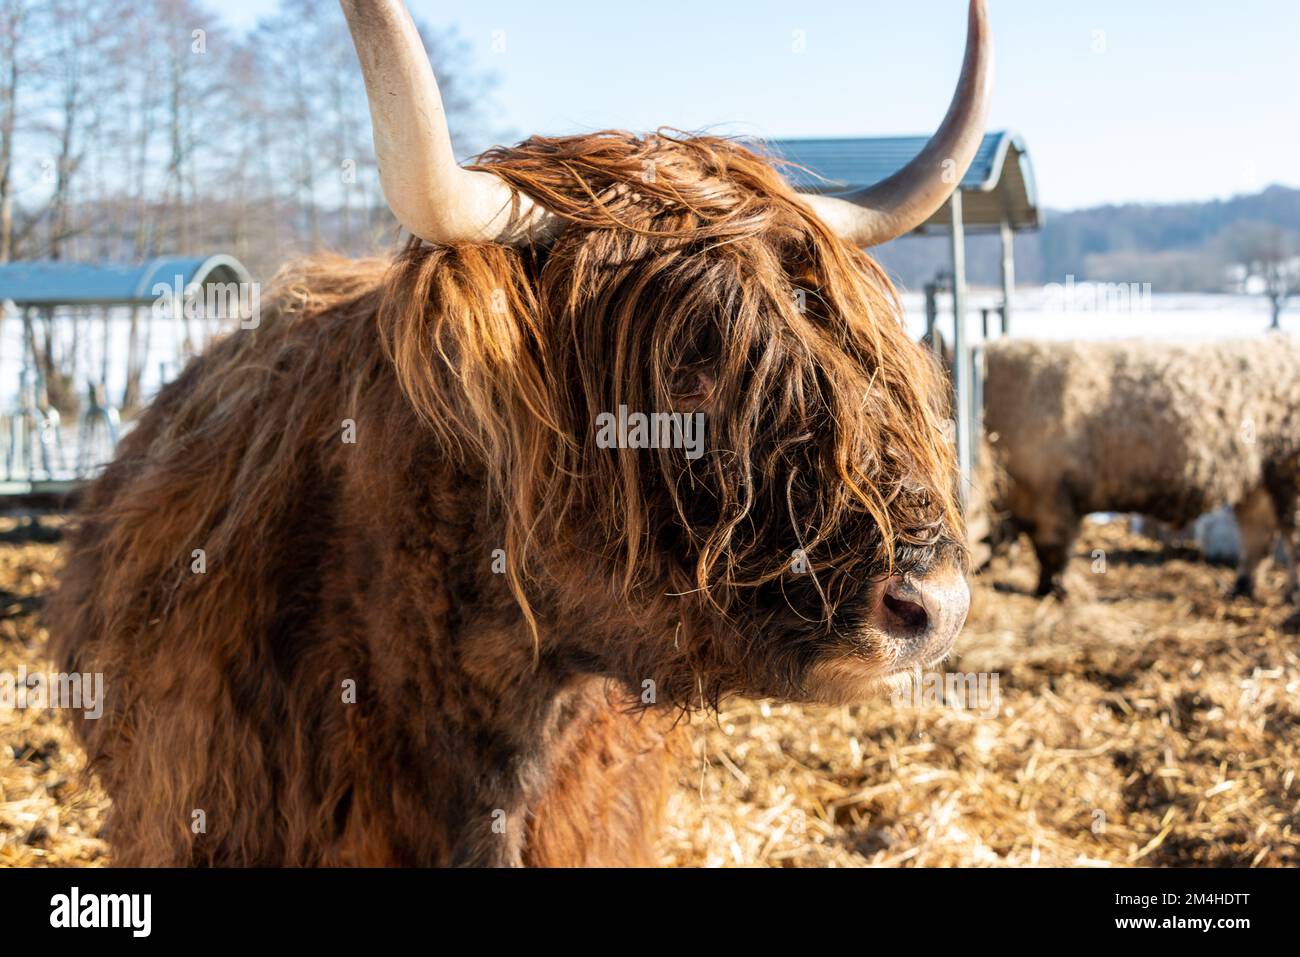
<point>692,387</point>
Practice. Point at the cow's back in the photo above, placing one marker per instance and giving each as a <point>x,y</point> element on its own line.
<point>1167,430</point>
<point>189,572</point>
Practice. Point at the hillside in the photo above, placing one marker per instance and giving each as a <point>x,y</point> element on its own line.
<point>1182,247</point>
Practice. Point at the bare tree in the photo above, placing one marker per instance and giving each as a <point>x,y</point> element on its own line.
<point>163,132</point>
<point>14,19</point>
<point>287,44</point>
<point>1269,255</point>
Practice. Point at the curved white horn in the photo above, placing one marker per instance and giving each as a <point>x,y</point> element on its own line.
<point>902,202</point>
<point>428,192</point>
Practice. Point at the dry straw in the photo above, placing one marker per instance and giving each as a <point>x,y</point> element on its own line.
<point>1146,721</point>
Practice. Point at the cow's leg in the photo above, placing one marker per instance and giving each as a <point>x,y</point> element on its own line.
<point>1055,527</point>
<point>1285,493</point>
<point>603,803</point>
<point>1258,525</point>
<point>1052,525</point>
<point>1289,548</point>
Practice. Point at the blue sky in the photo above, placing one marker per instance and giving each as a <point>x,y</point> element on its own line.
<point>1118,100</point>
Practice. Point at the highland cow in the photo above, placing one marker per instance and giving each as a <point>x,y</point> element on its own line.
<point>366,589</point>
<point>1165,430</point>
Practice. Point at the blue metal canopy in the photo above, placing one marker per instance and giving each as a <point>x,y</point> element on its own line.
<point>998,186</point>
<point>57,283</point>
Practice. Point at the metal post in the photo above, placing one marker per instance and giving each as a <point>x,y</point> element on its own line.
<point>1008,273</point>
<point>960,348</point>
<point>108,338</point>
<point>977,400</point>
<point>931,314</point>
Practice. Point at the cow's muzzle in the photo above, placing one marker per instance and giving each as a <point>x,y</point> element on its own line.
<point>922,614</point>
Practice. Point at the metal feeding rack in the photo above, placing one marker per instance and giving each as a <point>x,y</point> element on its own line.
<point>79,341</point>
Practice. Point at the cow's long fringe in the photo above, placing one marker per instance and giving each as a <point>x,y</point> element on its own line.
<point>679,251</point>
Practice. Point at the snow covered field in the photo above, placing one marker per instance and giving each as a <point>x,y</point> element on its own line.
<point>1061,313</point>
<point>1053,312</point>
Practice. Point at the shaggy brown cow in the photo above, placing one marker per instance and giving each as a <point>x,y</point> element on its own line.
<point>438,621</point>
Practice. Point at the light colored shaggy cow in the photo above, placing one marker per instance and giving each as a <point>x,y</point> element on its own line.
<point>1168,430</point>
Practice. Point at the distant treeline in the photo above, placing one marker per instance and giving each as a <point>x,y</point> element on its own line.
<point>1183,247</point>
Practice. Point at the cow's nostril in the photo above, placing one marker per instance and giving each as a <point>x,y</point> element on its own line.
<point>910,615</point>
<point>919,616</point>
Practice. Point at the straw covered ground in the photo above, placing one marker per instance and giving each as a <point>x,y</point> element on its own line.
<point>1146,720</point>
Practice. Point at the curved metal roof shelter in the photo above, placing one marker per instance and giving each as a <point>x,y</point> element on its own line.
<point>999,186</point>
<point>56,283</point>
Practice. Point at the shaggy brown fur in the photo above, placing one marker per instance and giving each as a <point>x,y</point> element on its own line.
<point>517,717</point>
<point>1171,431</point>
